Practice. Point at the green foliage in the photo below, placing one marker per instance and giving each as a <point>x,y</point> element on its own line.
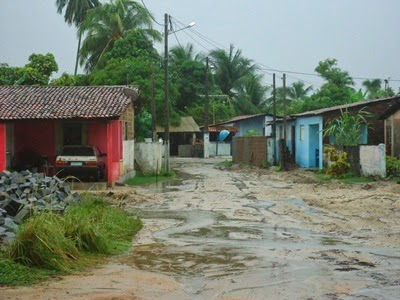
<point>134,44</point>
<point>340,167</point>
<point>143,126</point>
<point>346,130</point>
<point>41,242</point>
<point>225,164</point>
<point>15,274</point>
<point>141,179</point>
<point>36,72</point>
<point>64,80</point>
<point>392,166</point>
<point>252,132</point>
<point>56,242</point>
<point>106,24</point>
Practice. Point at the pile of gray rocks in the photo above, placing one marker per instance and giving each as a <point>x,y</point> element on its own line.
<point>23,193</point>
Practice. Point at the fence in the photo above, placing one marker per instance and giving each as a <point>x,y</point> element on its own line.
<point>250,150</point>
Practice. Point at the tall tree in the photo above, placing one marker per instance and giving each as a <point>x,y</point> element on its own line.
<point>372,88</point>
<point>297,91</point>
<point>181,53</point>
<point>251,95</point>
<point>231,66</point>
<point>75,13</point>
<point>338,88</point>
<point>109,22</point>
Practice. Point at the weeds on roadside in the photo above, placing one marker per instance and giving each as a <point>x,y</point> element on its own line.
<point>50,241</point>
<point>141,179</point>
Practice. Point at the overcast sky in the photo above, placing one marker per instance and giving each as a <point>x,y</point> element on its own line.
<point>292,35</point>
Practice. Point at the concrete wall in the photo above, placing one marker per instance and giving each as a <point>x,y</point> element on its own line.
<point>373,160</point>
<point>128,156</point>
<point>148,157</point>
<point>224,149</point>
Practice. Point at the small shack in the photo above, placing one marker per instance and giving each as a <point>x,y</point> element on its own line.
<point>182,137</point>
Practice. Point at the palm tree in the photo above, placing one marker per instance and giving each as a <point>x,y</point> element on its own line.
<point>297,91</point>
<point>231,67</point>
<point>373,88</point>
<point>75,13</point>
<point>110,22</point>
<point>251,95</point>
<point>180,53</point>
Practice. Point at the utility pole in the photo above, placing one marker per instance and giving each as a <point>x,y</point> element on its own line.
<point>283,147</point>
<point>206,134</point>
<point>274,117</point>
<point>153,105</point>
<point>166,94</point>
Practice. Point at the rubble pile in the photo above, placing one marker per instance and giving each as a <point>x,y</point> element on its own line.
<point>22,193</point>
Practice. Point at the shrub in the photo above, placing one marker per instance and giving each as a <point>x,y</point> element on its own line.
<point>392,166</point>
<point>340,167</point>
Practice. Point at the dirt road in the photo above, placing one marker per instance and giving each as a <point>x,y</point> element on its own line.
<point>249,234</point>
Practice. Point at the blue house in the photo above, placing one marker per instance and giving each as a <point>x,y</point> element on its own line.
<point>305,139</point>
<point>242,124</point>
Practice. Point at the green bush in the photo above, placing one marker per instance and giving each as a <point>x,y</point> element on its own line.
<point>340,167</point>
<point>392,166</point>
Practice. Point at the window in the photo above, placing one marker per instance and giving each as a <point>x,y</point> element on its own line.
<point>301,132</point>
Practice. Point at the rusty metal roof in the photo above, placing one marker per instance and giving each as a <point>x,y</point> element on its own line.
<point>344,106</point>
<point>63,102</point>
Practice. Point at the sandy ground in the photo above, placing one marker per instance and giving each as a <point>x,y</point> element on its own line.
<point>368,214</point>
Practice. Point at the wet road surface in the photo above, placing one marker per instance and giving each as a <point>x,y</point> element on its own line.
<point>213,231</point>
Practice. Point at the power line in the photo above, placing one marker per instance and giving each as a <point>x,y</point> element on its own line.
<point>265,68</point>
<point>151,16</point>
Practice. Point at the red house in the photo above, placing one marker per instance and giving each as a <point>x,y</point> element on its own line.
<point>37,121</point>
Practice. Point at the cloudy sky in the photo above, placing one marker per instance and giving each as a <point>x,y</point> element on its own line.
<point>291,35</point>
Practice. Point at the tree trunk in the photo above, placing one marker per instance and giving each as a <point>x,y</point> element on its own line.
<point>77,53</point>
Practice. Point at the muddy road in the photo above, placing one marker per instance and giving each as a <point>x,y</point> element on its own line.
<point>249,234</point>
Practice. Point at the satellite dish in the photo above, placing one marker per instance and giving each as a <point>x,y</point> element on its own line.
<point>223,135</point>
<point>131,93</point>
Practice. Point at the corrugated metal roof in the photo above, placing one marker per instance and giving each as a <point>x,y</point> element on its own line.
<point>62,102</point>
<point>188,124</point>
<point>344,106</point>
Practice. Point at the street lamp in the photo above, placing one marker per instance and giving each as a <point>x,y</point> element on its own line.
<point>166,88</point>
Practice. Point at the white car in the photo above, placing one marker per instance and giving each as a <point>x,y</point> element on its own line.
<point>83,162</point>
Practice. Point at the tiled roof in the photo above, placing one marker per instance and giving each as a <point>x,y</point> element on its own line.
<point>62,102</point>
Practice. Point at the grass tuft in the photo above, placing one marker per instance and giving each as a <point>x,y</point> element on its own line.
<point>141,179</point>
<point>63,243</point>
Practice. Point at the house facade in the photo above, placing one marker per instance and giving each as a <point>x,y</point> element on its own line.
<point>37,121</point>
<point>306,129</point>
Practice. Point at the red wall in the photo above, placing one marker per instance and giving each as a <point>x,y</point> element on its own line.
<point>97,135</point>
<point>114,150</point>
<point>36,136</point>
<point>3,144</point>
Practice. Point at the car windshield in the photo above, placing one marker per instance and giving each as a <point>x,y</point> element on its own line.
<point>78,151</point>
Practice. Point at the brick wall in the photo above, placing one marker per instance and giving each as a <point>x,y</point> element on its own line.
<point>128,129</point>
<point>250,150</point>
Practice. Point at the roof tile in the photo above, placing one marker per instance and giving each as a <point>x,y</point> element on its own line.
<point>62,102</point>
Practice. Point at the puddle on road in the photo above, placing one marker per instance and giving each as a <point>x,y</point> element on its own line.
<point>211,252</point>
<point>181,182</point>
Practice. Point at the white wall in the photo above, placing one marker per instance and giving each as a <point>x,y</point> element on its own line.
<point>224,149</point>
<point>148,156</point>
<point>373,160</point>
<point>128,148</point>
